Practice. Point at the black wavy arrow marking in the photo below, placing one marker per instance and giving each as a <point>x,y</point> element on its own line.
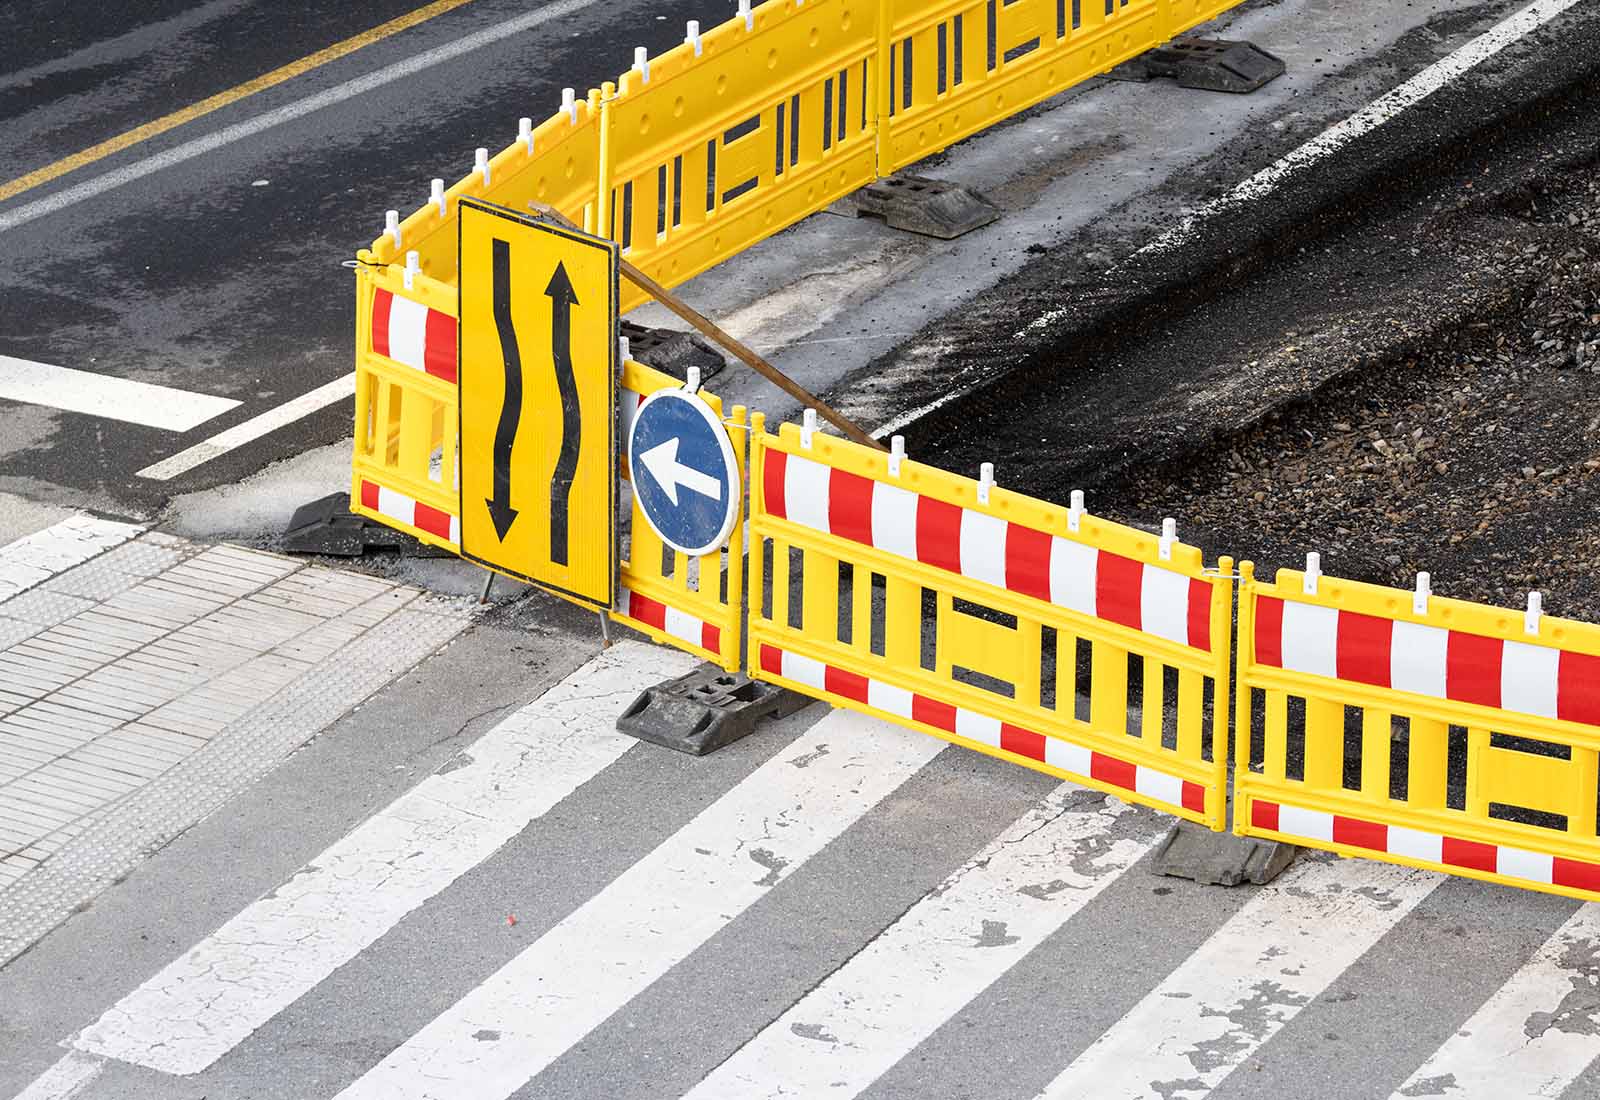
<point>562,299</point>
<point>505,433</point>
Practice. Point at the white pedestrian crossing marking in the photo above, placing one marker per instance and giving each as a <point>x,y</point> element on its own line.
<point>653,915</point>
<point>946,950</point>
<point>36,558</point>
<point>107,396</point>
<point>273,952</point>
<point>1240,987</point>
<point>1535,1035</point>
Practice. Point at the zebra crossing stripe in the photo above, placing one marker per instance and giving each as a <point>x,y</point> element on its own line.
<point>653,915</point>
<point>1239,988</point>
<point>1534,1036</point>
<point>277,949</point>
<point>923,969</point>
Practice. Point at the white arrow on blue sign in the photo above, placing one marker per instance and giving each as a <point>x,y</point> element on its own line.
<point>684,472</point>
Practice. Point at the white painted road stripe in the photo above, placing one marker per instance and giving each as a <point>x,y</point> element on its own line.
<point>1380,111</point>
<point>924,968</point>
<point>273,952</point>
<point>82,391</point>
<point>99,185</point>
<point>340,389</point>
<point>1535,1036</point>
<point>64,1080</point>
<point>653,915</point>
<point>34,559</point>
<point>1240,987</point>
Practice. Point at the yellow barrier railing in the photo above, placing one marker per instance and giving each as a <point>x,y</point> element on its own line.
<point>1058,640</point>
<point>724,141</point>
<point>404,470</point>
<point>957,66</point>
<point>695,603</point>
<point>1425,731</point>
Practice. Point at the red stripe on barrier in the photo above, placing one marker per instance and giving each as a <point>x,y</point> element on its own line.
<point>772,658</point>
<point>1264,815</point>
<point>1578,688</point>
<point>1194,797</point>
<point>381,302</point>
<point>1200,613</point>
<point>933,713</point>
<point>1028,561</point>
<point>1363,648</point>
<point>711,637</point>
<point>939,534</point>
<point>1360,834</point>
<point>1022,742</point>
<point>647,611</point>
<point>369,495</point>
<point>1468,853</point>
<point>851,685</point>
<point>433,521</point>
<point>1472,669</point>
<point>1119,589</point>
<point>439,346</point>
<point>1108,769</point>
<point>774,467</point>
<point>1575,875</point>
<point>850,506</point>
<point>1269,631</point>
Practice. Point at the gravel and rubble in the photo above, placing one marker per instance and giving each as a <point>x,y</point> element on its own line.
<point>1476,459</point>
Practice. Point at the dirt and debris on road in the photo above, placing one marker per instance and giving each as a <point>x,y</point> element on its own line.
<point>1477,460</point>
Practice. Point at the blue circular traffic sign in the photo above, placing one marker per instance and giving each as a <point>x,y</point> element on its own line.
<point>684,472</point>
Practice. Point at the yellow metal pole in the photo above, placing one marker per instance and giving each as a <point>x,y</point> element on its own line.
<point>602,206</point>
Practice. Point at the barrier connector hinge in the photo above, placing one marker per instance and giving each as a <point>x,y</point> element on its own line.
<point>693,36</point>
<point>569,104</point>
<point>436,197</point>
<point>748,15</point>
<point>897,454</point>
<point>1169,536</point>
<point>985,482</point>
<point>1530,621</point>
<point>641,62</point>
<point>1419,601</point>
<point>1313,572</point>
<point>808,427</point>
<point>480,165</point>
<point>525,133</point>
<point>691,381</point>
<point>391,225</point>
<point>413,265</point>
<point>1075,512</point>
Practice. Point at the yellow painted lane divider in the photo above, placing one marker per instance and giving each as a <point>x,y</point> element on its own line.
<point>222,99</point>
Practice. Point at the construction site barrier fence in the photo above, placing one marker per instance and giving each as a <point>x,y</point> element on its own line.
<point>694,603</point>
<point>1425,731</point>
<point>693,156</point>
<point>1051,638</point>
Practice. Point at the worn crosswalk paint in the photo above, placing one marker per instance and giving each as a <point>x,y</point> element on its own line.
<point>949,947</point>
<point>1249,979</point>
<point>653,915</point>
<point>1535,1035</point>
<point>273,952</point>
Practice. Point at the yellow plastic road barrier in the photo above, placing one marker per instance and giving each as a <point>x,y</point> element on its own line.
<point>957,66</point>
<point>1042,635</point>
<point>696,603</point>
<point>737,133</point>
<point>1418,730</point>
<point>405,457</point>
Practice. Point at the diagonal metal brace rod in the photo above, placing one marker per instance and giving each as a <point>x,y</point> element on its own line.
<point>740,351</point>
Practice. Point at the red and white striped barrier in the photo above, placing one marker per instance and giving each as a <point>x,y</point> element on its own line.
<point>670,620</point>
<point>1439,849</point>
<point>409,332</point>
<point>403,509</point>
<point>1155,785</point>
<point>1427,660</point>
<point>984,548</point>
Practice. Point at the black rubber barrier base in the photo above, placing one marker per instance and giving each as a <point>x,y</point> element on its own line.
<point>327,526</point>
<point>1210,64</point>
<point>705,710</point>
<point>672,352</point>
<point>916,204</point>
<point>1220,859</point>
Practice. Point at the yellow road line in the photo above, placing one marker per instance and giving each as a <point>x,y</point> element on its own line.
<point>222,99</point>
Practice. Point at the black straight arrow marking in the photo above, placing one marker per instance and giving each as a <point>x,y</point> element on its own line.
<point>562,299</point>
<point>505,433</point>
